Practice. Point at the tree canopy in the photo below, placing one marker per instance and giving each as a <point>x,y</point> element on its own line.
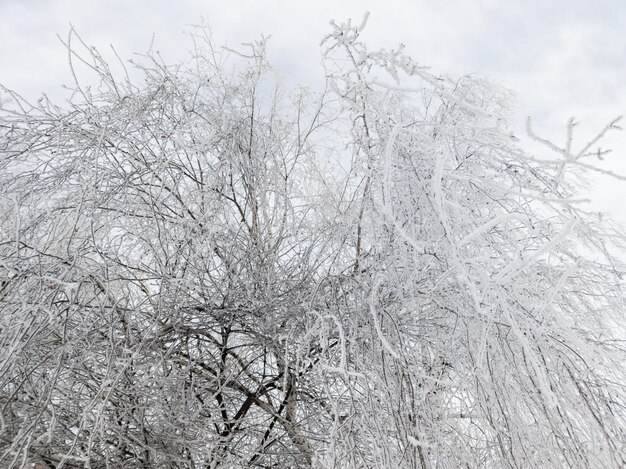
<point>202,269</point>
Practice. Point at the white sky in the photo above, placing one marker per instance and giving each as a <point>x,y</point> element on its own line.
<point>563,57</point>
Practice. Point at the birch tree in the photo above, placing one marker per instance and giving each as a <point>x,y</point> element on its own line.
<point>201,268</point>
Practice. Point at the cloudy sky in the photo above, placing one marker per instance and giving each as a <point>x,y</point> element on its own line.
<point>563,58</point>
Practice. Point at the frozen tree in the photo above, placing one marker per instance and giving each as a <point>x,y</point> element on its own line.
<point>200,269</point>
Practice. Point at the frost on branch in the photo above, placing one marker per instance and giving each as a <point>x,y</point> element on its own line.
<point>188,278</point>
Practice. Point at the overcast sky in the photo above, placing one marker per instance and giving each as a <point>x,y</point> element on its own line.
<point>562,58</point>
